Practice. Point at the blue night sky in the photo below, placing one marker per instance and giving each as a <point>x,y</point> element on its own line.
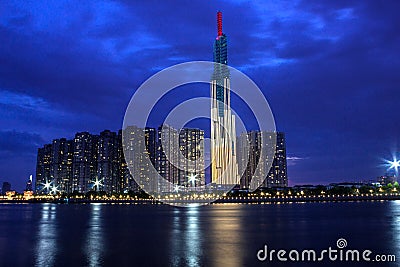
<point>329,69</point>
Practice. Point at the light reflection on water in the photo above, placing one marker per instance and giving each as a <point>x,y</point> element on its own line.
<point>186,241</point>
<point>395,227</point>
<point>94,238</point>
<point>226,228</point>
<point>214,235</point>
<point>47,236</point>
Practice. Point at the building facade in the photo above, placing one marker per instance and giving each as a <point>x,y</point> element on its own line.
<point>5,188</point>
<point>97,162</point>
<point>224,168</point>
<point>180,156</point>
<point>84,163</point>
<point>191,146</point>
<point>255,163</point>
<point>61,164</point>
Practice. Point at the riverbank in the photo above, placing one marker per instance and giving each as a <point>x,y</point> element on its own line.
<point>252,200</point>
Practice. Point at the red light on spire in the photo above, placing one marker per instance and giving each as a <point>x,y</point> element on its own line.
<point>219,21</point>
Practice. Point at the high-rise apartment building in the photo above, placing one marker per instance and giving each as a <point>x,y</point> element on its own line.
<point>84,163</point>
<point>109,162</point>
<point>277,175</point>
<point>140,156</point>
<point>168,155</point>
<point>61,164</point>
<point>44,168</point>
<point>254,161</point>
<point>180,156</point>
<point>191,146</point>
<point>97,162</point>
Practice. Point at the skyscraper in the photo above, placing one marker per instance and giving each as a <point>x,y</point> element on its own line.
<point>224,169</point>
<point>61,164</point>
<point>180,158</point>
<point>191,146</point>
<point>168,154</point>
<point>140,148</point>
<point>29,186</point>
<point>43,168</point>
<point>6,187</point>
<point>97,163</point>
<point>277,175</point>
<point>84,164</point>
<point>254,159</point>
<point>108,165</point>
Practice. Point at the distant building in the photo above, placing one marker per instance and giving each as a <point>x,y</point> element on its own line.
<point>108,162</point>
<point>11,194</point>
<point>140,150</point>
<point>84,162</point>
<point>6,187</point>
<point>97,162</point>
<point>61,164</point>
<point>387,179</point>
<point>28,195</point>
<point>29,186</point>
<point>346,185</point>
<point>43,168</point>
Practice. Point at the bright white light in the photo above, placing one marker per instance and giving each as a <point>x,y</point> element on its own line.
<point>192,178</point>
<point>47,185</point>
<point>393,164</point>
<point>54,189</point>
<point>97,183</point>
<point>176,188</point>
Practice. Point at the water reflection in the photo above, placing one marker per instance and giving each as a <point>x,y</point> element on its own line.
<point>227,242</point>
<point>186,241</point>
<point>395,212</point>
<point>192,237</point>
<point>47,236</point>
<point>94,246</point>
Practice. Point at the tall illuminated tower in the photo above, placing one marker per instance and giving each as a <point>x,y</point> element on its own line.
<point>224,170</point>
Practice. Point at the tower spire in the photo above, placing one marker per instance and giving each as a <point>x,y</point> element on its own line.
<point>219,22</point>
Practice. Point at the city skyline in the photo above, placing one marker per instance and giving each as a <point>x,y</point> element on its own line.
<point>96,162</point>
<point>327,70</point>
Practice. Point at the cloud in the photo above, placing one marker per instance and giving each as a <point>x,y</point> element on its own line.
<point>293,160</point>
<point>329,69</point>
<point>19,142</point>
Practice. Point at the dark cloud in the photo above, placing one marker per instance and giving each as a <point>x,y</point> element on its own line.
<point>328,68</point>
<point>19,142</point>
